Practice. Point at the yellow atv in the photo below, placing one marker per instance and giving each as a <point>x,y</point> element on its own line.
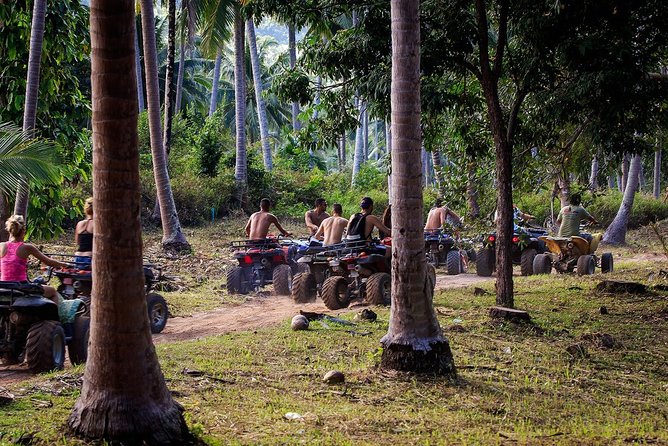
<point>568,254</point>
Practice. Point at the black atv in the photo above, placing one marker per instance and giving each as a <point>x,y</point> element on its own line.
<point>31,329</point>
<point>313,263</point>
<point>525,247</point>
<point>263,262</point>
<point>78,283</point>
<point>442,249</point>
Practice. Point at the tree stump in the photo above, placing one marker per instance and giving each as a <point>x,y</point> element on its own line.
<point>510,314</point>
<point>621,286</point>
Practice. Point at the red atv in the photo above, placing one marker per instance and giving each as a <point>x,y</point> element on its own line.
<point>263,262</point>
<point>358,271</point>
<point>78,283</point>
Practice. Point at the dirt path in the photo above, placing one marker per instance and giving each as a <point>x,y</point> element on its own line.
<point>260,311</point>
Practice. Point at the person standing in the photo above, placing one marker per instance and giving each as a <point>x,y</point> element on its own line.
<point>83,236</point>
<point>316,216</point>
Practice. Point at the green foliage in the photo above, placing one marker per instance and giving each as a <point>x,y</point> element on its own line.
<point>293,155</point>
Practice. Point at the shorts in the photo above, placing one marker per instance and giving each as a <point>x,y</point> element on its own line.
<point>83,262</point>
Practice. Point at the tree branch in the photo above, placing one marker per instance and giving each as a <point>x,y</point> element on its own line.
<point>483,38</point>
<point>501,43</point>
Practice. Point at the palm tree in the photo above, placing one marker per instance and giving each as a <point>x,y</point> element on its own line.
<point>172,236</point>
<point>414,341</point>
<point>257,82</point>
<point>216,82</point>
<point>292,49</point>
<point>124,396</point>
<point>32,90</point>
<point>240,168</point>
<point>616,232</point>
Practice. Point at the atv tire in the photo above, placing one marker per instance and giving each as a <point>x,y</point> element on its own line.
<point>485,262</point>
<point>45,347</point>
<point>78,348</point>
<point>335,293</point>
<point>526,261</point>
<point>304,288</point>
<point>378,289</point>
<point>542,264</point>
<point>236,283</point>
<point>281,277</point>
<point>157,312</point>
<point>300,268</point>
<point>586,265</point>
<point>454,263</point>
<point>607,263</point>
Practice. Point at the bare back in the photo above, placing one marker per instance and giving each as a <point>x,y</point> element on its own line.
<point>258,225</point>
<point>332,228</point>
<point>314,220</point>
<point>435,219</point>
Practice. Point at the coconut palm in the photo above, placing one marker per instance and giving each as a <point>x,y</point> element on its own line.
<point>616,232</point>
<point>32,90</point>
<point>414,341</point>
<point>22,156</point>
<point>124,396</point>
<point>257,82</point>
<point>172,237</point>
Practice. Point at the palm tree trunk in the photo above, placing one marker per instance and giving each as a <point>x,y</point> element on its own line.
<point>4,215</point>
<point>358,157</point>
<point>179,79</point>
<point>261,108</point>
<point>388,142</point>
<point>414,341</point>
<point>616,232</point>
<point>140,82</point>
<point>172,236</point>
<point>169,76</point>
<point>564,183</point>
<point>124,395</point>
<point>472,190</point>
<point>438,168</point>
<point>32,90</point>
<point>618,177</point>
<point>641,178</point>
<point>365,134</point>
<point>292,47</point>
<point>216,80</point>
<point>611,182</point>
<point>240,170</point>
<point>593,176</point>
<point>656,189</point>
<point>342,151</point>
<point>625,171</point>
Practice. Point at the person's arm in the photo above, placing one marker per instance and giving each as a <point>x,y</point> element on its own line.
<point>248,227</point>
<point>77,230</point>
<point>588,216</point>
<point>274,220</point>
<point>309,223</point>
<point>379,224</point>
<point>32,250</point>
<point>455,217</point>
<point>320,233</point>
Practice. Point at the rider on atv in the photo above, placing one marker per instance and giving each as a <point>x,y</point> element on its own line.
<point>570,217</point>
<point>439,215</point>
<point>362,224</point>
<point>258,224</point>
<point>332,228</point>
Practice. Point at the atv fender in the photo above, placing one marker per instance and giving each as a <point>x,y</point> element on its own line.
<point>45,307</point>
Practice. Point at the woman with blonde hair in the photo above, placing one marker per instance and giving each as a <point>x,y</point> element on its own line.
<point>83,236</point>
<point>14,255</point>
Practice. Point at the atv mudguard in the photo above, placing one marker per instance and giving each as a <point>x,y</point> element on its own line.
<point>46,308</point>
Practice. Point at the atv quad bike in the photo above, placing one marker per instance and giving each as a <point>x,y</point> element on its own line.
<point>263,262</point>
<point>443,249</point>
<point>526,245</point>
<point>568,254</point>
<point>33,328</point>
<point>358,271</point>
<point>78,283</point>
<point>314,266</point>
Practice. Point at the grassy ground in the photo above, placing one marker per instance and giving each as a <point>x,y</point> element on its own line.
<point>516,384</point>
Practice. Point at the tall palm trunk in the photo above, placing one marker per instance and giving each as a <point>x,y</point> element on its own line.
<point>616,232</point>
<point>656,189</point>
<point>292,48</point>
<point>358,157</point>
<point>261,108</point>
<point>172,236</point>
<point>216,82</point>
<point>611,182</point>
<point>140,82</point>
<point>124,395</point>
<point>32,90</point>
<point>564,183</point>
<point>169,76</point>
<point>388,142</point>
<point>438,168</point>
<point>641,178</point>
<point>625,171</point>
<point>240,169</point>
<point>4,215</point>
<point>365,132</point>
<point>593,176</point>
<point>179,78</point>
<point>414,341</point>
<point>342,151</point>
<point>472,190</point>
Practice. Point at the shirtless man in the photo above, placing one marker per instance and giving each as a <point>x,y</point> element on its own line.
<point>331,229</point>
<point>258,223</point>
<point>370,222</point>
<point>315,217</point>
<point>440,215</point>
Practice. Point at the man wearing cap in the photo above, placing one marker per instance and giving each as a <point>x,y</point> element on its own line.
<point>362,224</point>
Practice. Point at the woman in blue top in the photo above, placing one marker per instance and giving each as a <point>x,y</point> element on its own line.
<point>83,237</point>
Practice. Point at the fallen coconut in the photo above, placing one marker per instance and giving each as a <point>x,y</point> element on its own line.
<point>299,322</point>
<point>334,377</point>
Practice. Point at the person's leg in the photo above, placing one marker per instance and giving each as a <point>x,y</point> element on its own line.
<point>50,293</point>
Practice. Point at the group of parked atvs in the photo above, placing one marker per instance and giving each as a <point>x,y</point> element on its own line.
<point>36,330</point>
<point>360,270</point>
